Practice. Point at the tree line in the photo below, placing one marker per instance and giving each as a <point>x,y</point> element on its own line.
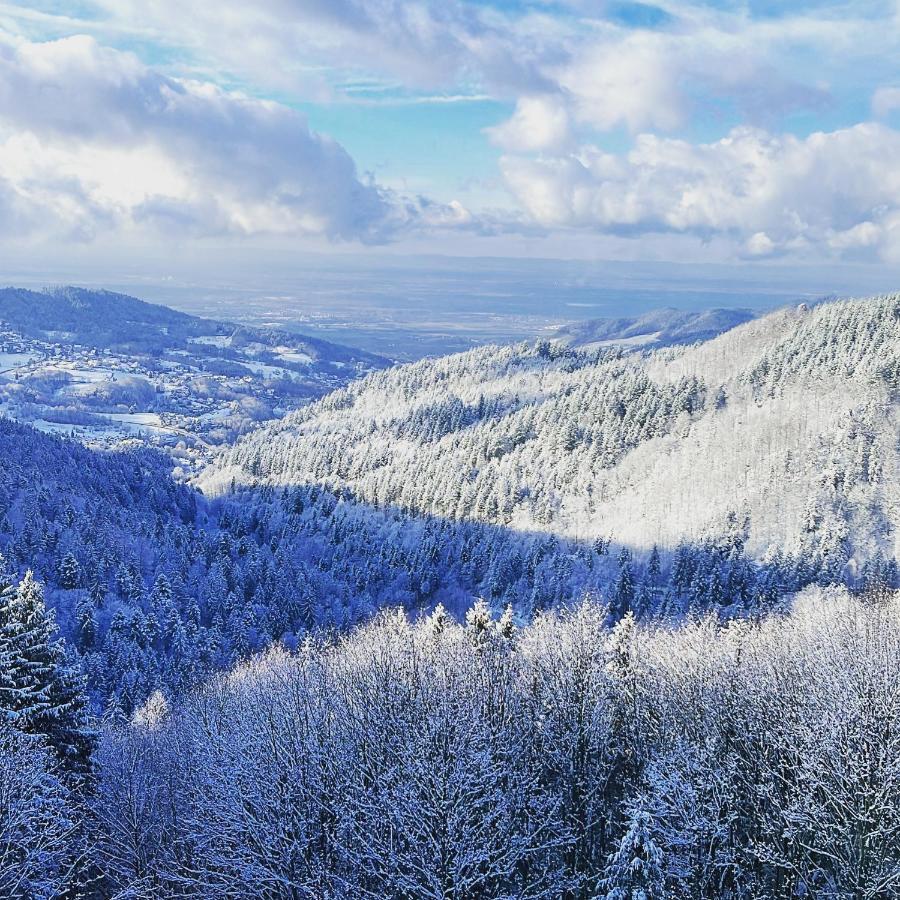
<point>492,758</point>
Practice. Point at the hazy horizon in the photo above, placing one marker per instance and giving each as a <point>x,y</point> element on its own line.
<point>410,307</point>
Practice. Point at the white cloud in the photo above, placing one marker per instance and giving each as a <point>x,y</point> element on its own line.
<point>538,123</point>
<point>631,81</point>
<point>614,74</point>
<point>96,139</point>
<point>300,44</point>
<point>91,139</point>
<point>759,244</point>
<point>830,191</point>
<point>885,101</point>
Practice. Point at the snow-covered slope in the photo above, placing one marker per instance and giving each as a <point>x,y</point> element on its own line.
<point>787,423</point>
<point>658,328</point>
<point>112,321</point>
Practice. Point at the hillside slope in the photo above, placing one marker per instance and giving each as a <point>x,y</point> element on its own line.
<point>110,369</point>
<point>783,428</point>
<point>659,328</point>
<point>113,321</point>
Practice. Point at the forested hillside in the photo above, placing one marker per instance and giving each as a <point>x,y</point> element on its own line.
<point>777,437</point>
<point>113,321</point>
<point>154,589</point>
<point>595,676</point>
<point>113,370</point>
<point>559,761</point>
<point>723,476</point>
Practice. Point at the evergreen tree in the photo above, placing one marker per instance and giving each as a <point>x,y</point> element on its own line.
<point>439,621</point>
<point>506,627</point>
<point>85,624</point>
<point>69,572</point>
<point>24,671</point>
<point>41,692</point>
<point>479,622</point>
<point>634,870</point>
<point>161,593</point>
<point>654,567</point>
<point>623,594</point>
<point>7,582</point>
<point>97,593</point>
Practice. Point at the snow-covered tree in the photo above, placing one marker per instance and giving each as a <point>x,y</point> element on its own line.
<point>37,822</point>
<point>69,575</point>
<point>41,691</point>
<point>635,870</point>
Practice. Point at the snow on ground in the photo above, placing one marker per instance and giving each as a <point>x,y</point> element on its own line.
<point>60,428</point>
<point>266,370</point>
<point>140,420</point>
<point>212,340</point>
<point>637,341</point>
<point>12,361</point>
<point>293,356</point>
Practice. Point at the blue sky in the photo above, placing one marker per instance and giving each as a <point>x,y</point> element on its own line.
<point>718,131</point>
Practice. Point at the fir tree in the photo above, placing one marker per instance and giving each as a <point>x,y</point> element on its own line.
<point>654,567</point>
<point>623,595</point>
<point>479,622</point>
<point>69,573</point>
<point>85,624</point>
<point>634,871</point>
<point>439,621</point>
<point>41,692</point>
<point>506,627</point>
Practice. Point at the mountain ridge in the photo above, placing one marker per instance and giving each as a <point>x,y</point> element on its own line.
<point>660,327</point>
<point>650,448</point>
<point>40,314</point>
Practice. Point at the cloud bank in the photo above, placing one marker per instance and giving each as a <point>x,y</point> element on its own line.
<point>837,191</point>
<point>91,140</point>
<point>623,119</point>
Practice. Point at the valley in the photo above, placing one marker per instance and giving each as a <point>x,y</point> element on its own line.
<point>199,517</point>
<point>114,369</point>
<point>248,537</point>
<point>450,450</point>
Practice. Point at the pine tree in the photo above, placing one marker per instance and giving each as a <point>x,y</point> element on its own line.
<point>40,691</point>
<point>69,572</point>
<point>506,627</point>
<point>85,624</point>
<point>98,593</point>
<point>623,595</point>
<point>439,621</point>
<point>7,582</point>
<point>634,871</point>
<point>24,673</point>
<point>645,600</point>
<point>161,593</point>
<point>654,567</point>
<point>479,622</point>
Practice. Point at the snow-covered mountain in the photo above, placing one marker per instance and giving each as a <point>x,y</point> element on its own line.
<point>112,321</point>
<point>783,428</point>
<point>658,328</point>
<point>755,463</point>
<point>504,504</point>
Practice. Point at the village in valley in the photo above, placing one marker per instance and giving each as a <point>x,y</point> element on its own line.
<point>186,397</point>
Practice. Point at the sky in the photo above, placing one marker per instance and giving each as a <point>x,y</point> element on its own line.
<point>146,131</point>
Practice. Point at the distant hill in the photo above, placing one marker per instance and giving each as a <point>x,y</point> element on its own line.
<point>108,368</point>
<point>658,328</point>
<point>118,322</point>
